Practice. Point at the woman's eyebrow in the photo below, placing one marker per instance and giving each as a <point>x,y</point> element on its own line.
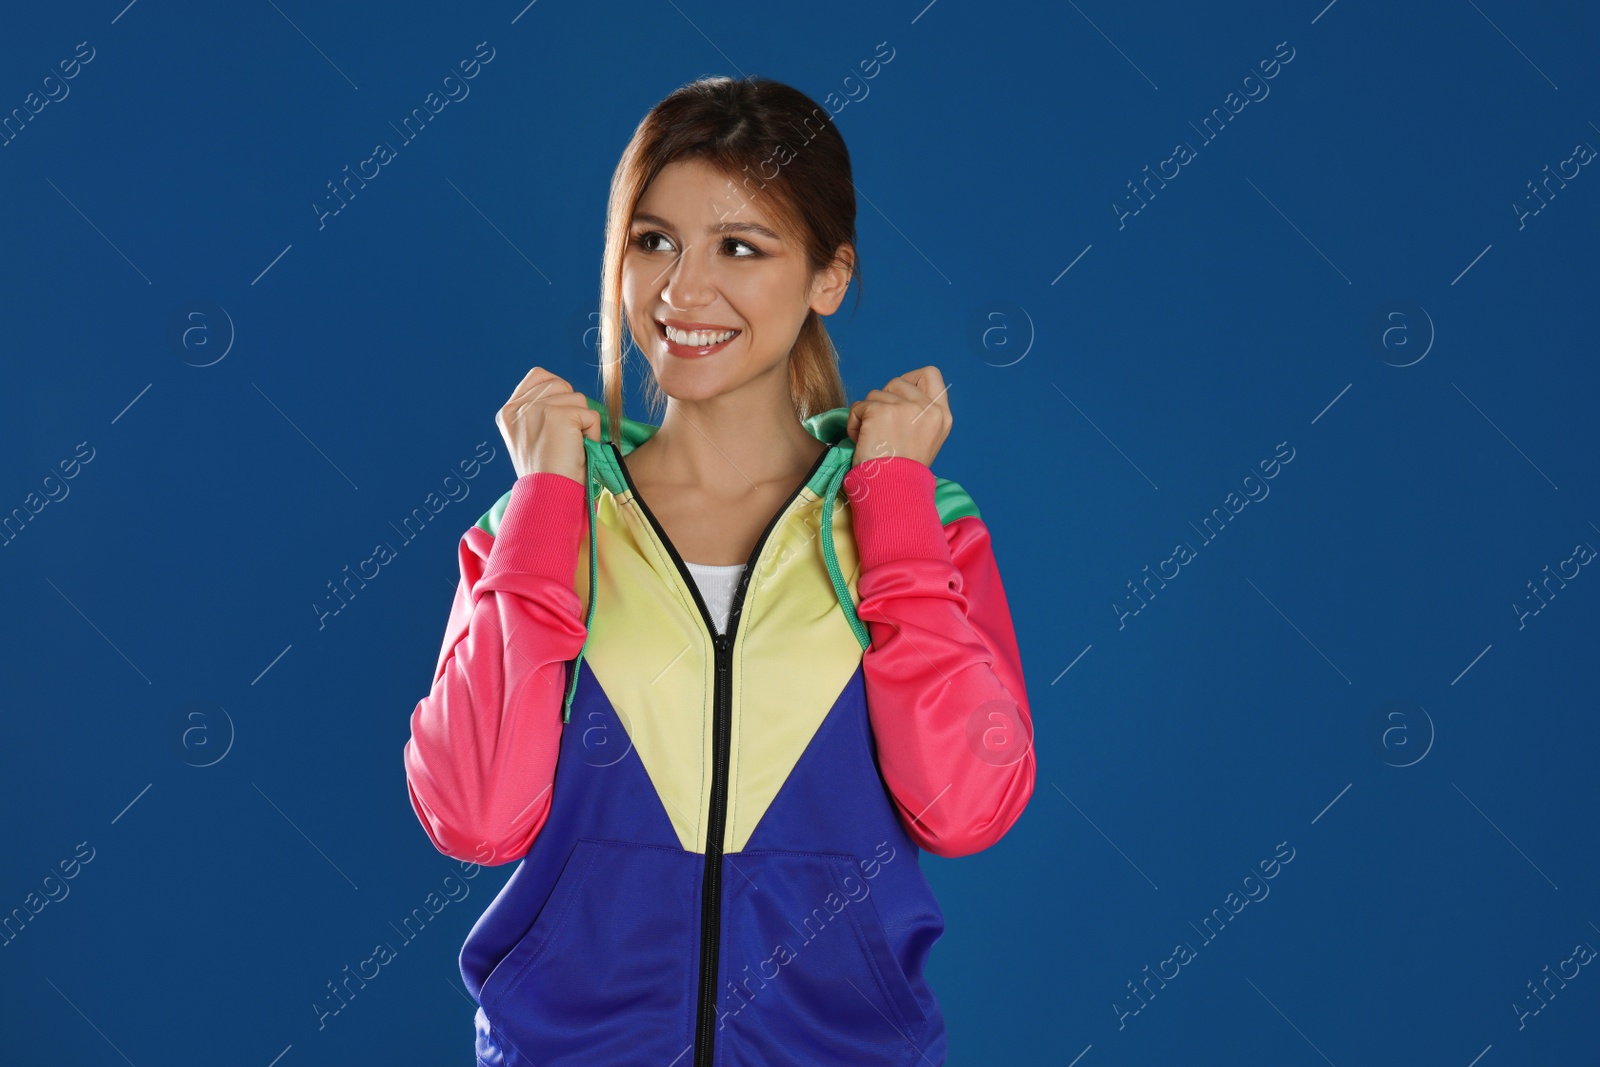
<point>721,227</point>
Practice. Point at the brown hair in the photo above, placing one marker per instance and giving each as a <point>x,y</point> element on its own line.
<point>745,128</point>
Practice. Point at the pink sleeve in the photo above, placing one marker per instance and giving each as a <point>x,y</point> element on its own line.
<point>482,753</point>
<point>945,693</point>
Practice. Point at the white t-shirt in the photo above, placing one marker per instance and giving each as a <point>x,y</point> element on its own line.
<point>717,584</point>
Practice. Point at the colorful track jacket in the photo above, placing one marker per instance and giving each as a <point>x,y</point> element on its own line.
<point>719,834</point>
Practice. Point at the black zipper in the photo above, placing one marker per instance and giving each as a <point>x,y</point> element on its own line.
<point>711,887</point>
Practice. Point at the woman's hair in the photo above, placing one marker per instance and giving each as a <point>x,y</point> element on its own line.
<point>781,150</point>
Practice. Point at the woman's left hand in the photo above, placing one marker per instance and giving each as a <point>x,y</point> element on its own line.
<point>908,417</point>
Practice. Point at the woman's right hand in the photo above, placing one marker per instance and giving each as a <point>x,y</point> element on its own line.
<point>544,424</point>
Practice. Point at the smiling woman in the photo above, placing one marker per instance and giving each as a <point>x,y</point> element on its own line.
<point>706,271</point>
<point>777,256</point>
<point>719,797</point>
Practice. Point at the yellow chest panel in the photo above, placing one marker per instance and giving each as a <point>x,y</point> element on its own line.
<point>653,655</point>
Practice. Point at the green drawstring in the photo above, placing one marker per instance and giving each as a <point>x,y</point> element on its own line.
<point>829,557</point>
<point>594,568</point>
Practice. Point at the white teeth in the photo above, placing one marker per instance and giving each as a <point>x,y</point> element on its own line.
<point>697,338</point>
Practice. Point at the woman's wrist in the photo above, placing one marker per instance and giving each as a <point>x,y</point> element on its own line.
<point>542,526</point>
<point>894,513</point>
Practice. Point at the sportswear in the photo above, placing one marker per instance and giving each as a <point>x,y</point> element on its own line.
<point>719,833</point>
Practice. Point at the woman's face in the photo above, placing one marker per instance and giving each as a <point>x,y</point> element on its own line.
<point>703,255</point>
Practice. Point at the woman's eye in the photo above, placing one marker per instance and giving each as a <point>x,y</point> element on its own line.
<point>733,244</point>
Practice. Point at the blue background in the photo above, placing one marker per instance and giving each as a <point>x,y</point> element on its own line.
<point>1344,669</point>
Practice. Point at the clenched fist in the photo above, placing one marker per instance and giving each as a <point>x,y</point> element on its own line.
<point>908,417</point>
<point>544,424</point>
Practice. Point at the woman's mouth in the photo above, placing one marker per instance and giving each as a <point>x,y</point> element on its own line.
<point>692,344</point>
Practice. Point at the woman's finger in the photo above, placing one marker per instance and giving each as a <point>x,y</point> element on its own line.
<point>903,388</point>
<point>930,381</point>
<point>541,383</point>
<point>858,412</point>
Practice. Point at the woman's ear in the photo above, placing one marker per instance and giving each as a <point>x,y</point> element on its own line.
<point>829,285</point>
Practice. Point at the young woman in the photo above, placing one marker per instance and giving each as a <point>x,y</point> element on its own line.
<point>715,711</point>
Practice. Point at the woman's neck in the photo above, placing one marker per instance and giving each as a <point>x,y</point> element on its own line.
<point>727,446</point>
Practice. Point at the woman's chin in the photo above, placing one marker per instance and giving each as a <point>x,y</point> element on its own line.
<point>689,383</point>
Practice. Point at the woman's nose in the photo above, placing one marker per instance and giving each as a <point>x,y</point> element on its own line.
<point>688,280</point>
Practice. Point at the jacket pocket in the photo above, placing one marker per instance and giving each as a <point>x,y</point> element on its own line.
<point>808,972</point>
<point>605,973</point>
